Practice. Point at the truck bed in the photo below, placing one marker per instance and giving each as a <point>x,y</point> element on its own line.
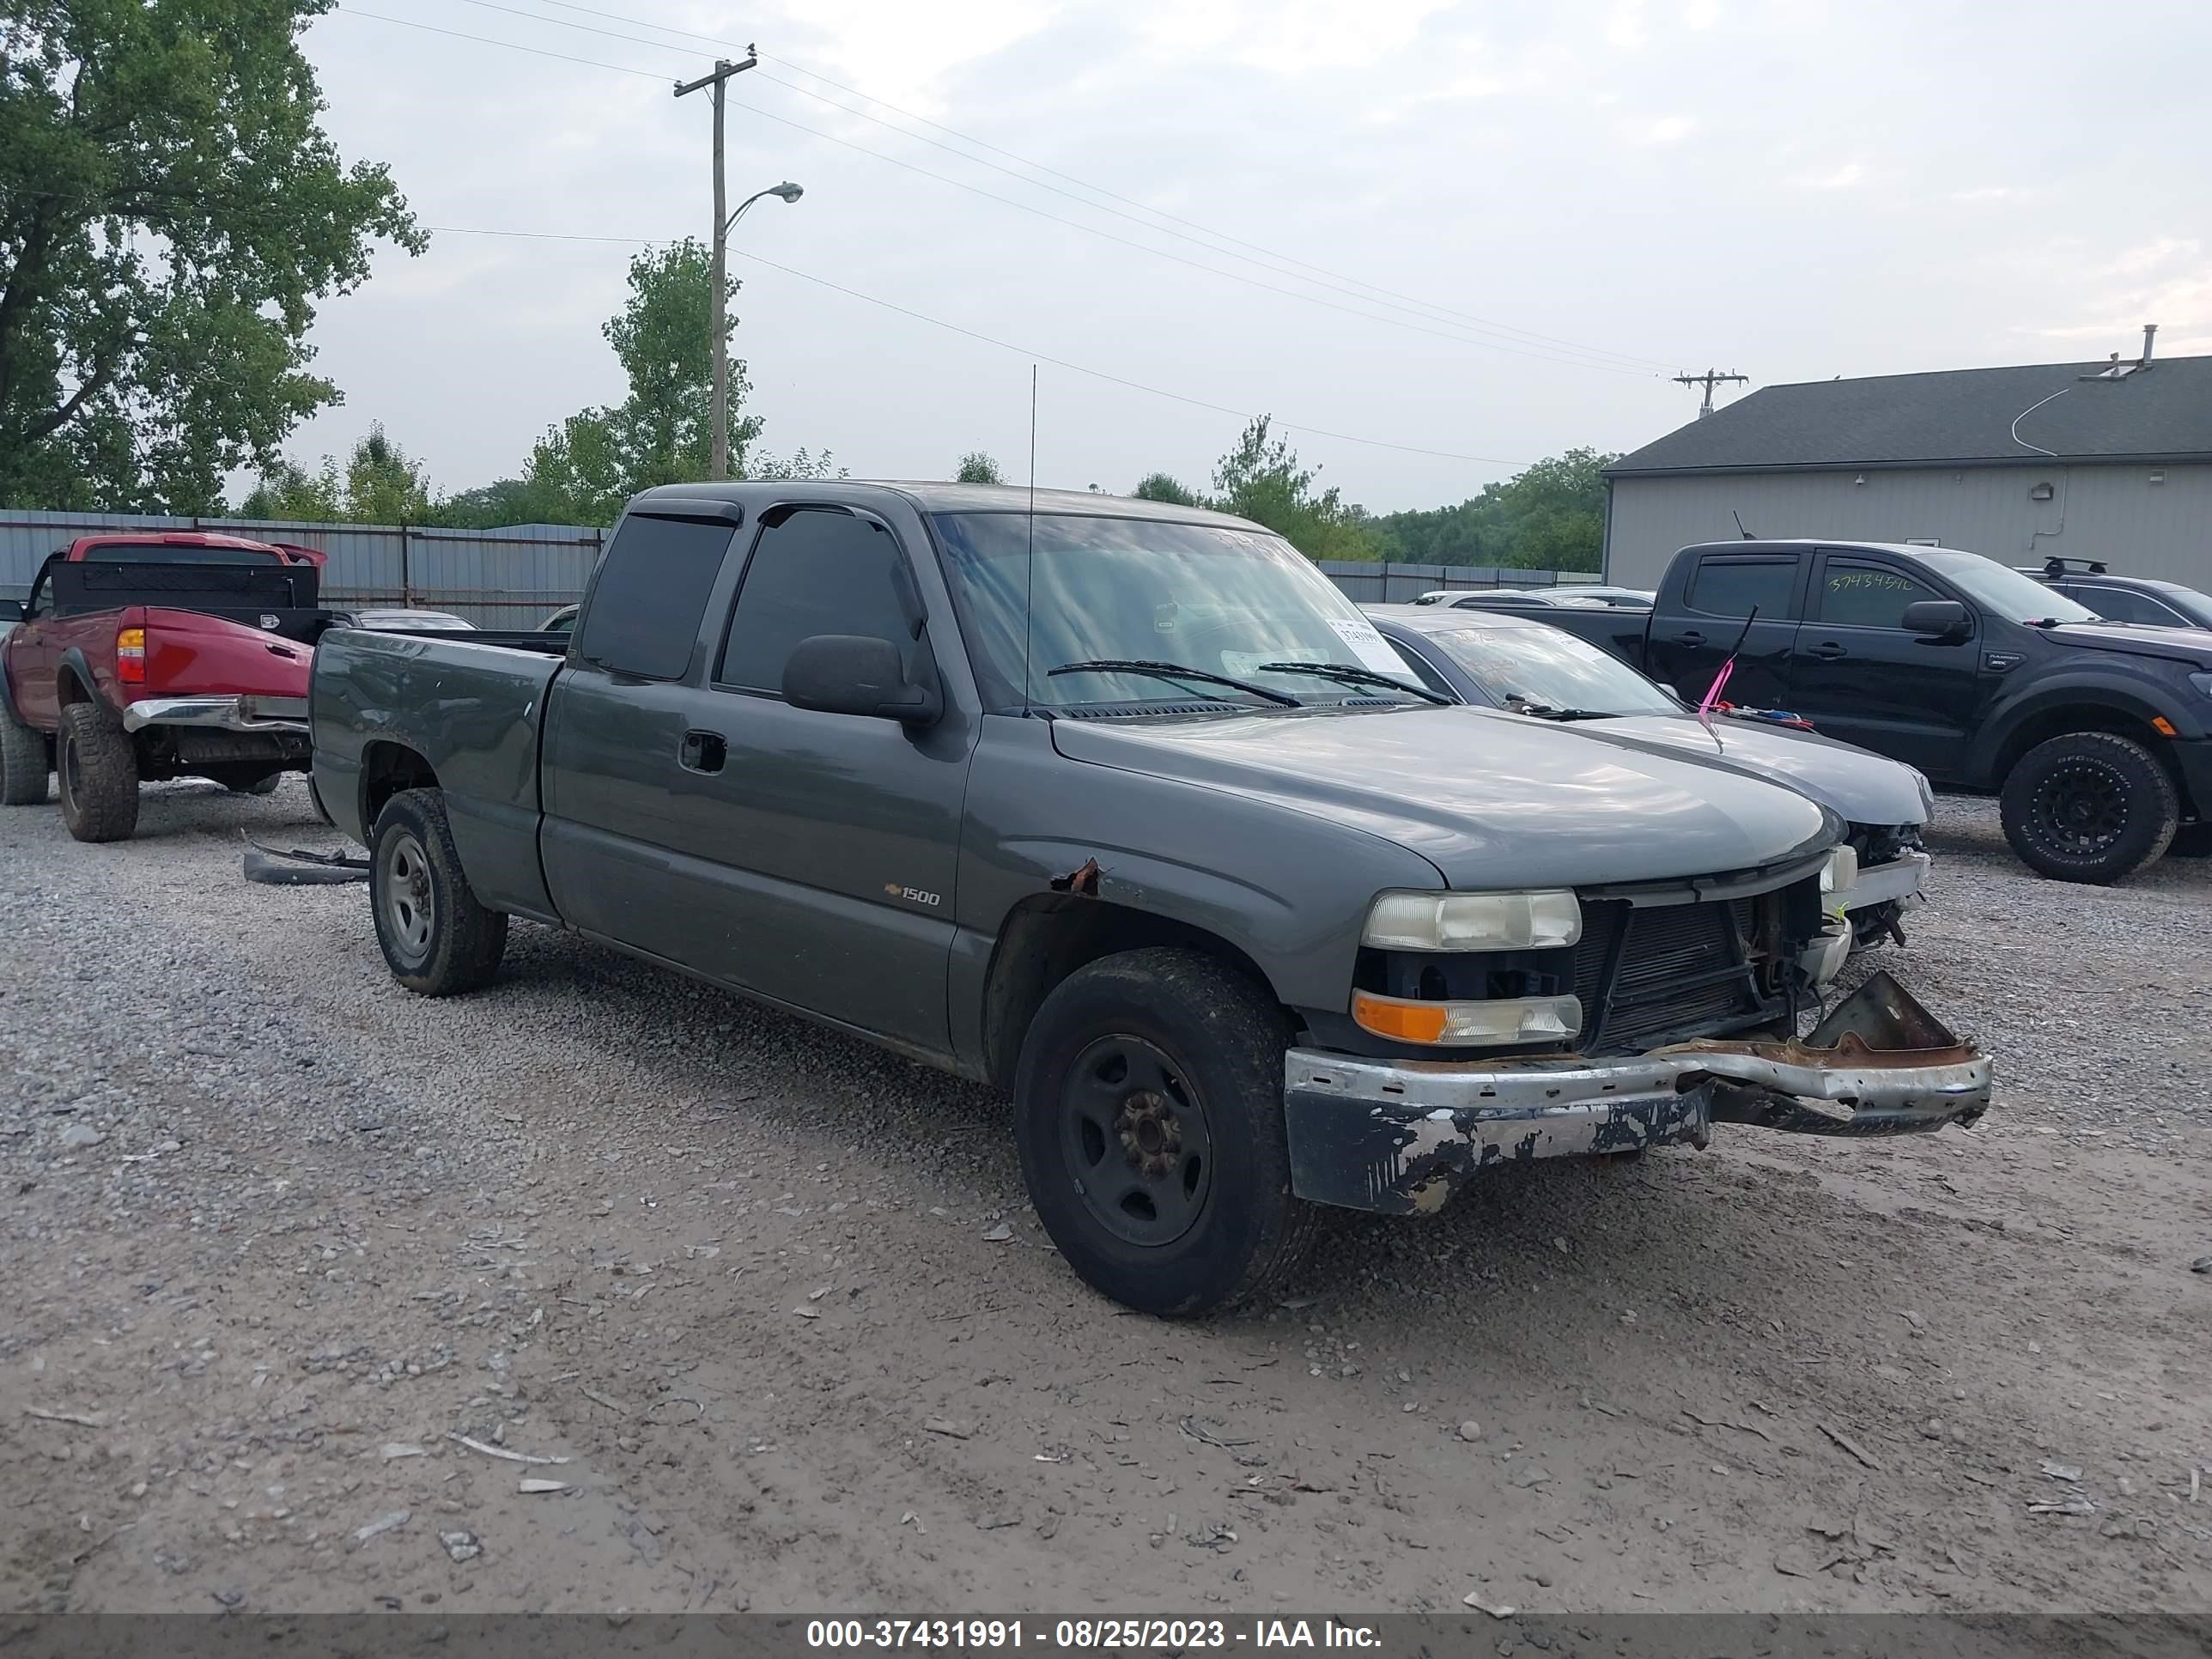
<point>471,709</point>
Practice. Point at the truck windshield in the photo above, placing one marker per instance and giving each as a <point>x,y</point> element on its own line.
<point>1541,667</point>
<point>1221,600</point>
<point>2004,590</point>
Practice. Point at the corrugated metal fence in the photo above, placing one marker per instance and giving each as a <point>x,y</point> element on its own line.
<point>511,577</point>
<point>1400,584</point>
<point>504,577</point>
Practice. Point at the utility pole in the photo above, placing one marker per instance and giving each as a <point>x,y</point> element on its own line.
<point>718,305</point>
<point>1709,379</point>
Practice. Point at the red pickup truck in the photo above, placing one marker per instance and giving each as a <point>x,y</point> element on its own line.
<point>141,657</point>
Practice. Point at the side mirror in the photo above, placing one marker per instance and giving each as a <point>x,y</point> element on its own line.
<point>1944,620</point>
<point>855,674</point>
<point>11,611</point>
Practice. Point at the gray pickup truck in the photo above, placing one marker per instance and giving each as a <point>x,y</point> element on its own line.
<point>1124,808</point>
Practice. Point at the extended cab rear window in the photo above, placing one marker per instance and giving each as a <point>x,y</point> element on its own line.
<point>650,595</point>
<point>1732,587</point>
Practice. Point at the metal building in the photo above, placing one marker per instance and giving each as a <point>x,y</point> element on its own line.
<point>2110,461</point>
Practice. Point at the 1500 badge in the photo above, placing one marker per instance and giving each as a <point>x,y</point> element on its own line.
<point>913,895</point>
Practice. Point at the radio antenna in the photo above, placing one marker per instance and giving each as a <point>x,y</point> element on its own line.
<point>1028,557</point>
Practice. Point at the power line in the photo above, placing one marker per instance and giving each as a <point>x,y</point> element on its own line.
<point>1100,190</point>
<point>1350,287</point>
<point>1534,347</point>
<point>1003,345</point>
<point>487,41</point>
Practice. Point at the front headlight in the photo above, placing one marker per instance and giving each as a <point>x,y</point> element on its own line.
<point>1540,921</point>
<point>1841,872</point>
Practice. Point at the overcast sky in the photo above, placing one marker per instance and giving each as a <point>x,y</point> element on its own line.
<point>1565,204</point>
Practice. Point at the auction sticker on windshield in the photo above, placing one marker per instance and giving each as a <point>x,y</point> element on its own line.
<point>1370,647</point>
<point>1242,663</point>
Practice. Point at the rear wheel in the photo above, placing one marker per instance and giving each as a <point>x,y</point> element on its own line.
<point>437,940</point>
<point>2090,807</point>
<point>99,772</point>
<point>25,760</point>
<point>1149,1116</point>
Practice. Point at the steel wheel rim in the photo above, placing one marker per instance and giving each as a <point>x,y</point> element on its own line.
<point>2082,808</point>
<point>409,911</point>
<point>65,766</point>
<point>1137,1144</point>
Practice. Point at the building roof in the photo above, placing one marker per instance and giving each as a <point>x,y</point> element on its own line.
<point>1957,417</point>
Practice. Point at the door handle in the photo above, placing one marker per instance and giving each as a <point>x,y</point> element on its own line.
<point>703,751</point>
<point>1692,637</point>
<point>1827,651</point>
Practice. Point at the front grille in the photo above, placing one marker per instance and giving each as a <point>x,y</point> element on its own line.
<point>1656,974</point>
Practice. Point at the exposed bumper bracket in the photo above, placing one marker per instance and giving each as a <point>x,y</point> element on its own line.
<point>1402,1136</point>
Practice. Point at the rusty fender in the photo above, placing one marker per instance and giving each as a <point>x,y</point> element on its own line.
<point>1401,1137</point>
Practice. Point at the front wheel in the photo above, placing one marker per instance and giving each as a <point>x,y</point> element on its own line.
<point>2092,807</point>
<point>437,940</point>
<point>99,772</point>
<point>1149,1117</point>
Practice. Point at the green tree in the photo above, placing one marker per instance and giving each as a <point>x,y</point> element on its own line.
<point>288,491</point>
<point>171,212</point>
<point>800,463</point>
<point>977,467</point>
<point>661,432</point>
<point>1163,487</point>
<point>502,502</point>
<point>383,486</point>
<point>1551,516</point>
<point>1261,479</point>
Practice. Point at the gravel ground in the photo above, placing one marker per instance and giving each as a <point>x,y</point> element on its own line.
<point>276,1233</point>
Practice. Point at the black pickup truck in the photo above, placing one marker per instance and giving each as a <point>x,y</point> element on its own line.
<point>2095,736</point>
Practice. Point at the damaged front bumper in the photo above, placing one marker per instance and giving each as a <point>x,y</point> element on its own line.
<point>1400,1137</point>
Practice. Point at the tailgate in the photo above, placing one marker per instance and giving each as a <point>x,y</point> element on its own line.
<point>389,711</point>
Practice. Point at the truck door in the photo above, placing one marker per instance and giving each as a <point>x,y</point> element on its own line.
<point>804,857</point>
<point>1859,676</point>
<point>34,656</point>
<point>1688,642</point>
<point>840,833</point>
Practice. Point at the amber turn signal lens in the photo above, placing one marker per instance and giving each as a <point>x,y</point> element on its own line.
<point>1406,1022</point>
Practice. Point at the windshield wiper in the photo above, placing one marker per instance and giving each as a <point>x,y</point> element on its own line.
<point>1545,711</point>
<point>1349,676</point>
<point>1172,671</point>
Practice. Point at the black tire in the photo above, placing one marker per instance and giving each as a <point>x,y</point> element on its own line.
<point>25,761</point>
<point>2191,840</point>
<point>436,939</point>
<point>1173,1199</point>
<point>2090,807</point>
<point>99,772</point>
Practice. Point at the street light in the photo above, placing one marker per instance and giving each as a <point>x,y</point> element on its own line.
<point>720,465</point>
<point>787,190</point>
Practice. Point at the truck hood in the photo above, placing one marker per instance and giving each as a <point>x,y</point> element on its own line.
<point>2191,644</point>
<point>1494,801</point>
<point>1857,785</point>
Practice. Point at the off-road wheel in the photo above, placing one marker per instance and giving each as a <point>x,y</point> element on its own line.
<point>1149,1116</point>
<point>437,940</point>
<point>2091,807</point>
<point>99,772</point>
<point>25,761</point>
